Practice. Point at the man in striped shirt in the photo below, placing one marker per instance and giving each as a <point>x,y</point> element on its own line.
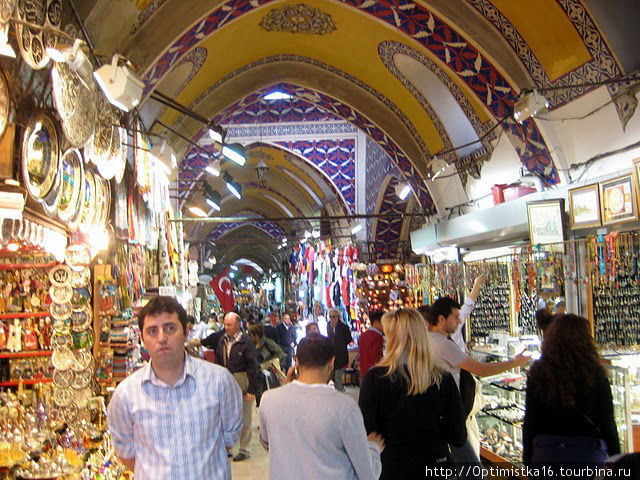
<point>175,417</point>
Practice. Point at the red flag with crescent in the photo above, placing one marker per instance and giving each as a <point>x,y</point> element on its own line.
<point>223,288</point>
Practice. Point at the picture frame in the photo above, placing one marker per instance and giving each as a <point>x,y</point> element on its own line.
<point>546,224</point>
<point>584,207</point>
<point>636,180</point>
<point>618,202</point>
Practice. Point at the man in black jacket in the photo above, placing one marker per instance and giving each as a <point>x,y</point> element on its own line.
<point>237,352</point>
<point>287,338</point>
<point>340,335</point>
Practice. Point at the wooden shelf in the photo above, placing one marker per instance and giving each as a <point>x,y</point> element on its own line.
<point>17,266</point>
<point>14,383</point>
<point>27,354</point>
<point>8,316</point>
<point>494,458</point>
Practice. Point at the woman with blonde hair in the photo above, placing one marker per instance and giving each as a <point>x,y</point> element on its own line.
<point>410,401</point>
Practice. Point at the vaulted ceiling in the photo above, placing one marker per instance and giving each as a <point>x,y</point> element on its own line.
<point>416,77</point>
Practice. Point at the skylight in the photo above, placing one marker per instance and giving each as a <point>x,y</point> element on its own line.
<point>277,95</point>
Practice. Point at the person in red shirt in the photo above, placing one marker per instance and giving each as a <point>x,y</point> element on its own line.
<point>371,343</point>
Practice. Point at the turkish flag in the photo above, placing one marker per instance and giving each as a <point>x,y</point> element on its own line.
<point>223,288</point>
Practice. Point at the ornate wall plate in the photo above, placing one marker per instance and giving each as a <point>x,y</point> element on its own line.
<point>60,275</point>
<point>6,10</point>
<point>5,104</point>
<point>61,294</point>
<point>75,103</point>
<point>51,201</point>
<point>71,178</point>
<point>60,311</point>
<point>77,256</point>
<point>62,326</point>
<point>62,397</point>
<point>98,148</point>
<point>81,298</point>
<point>33,42</point>
<point>62,378</point>
<point>81,319</point>
<point>103,203</point>
<point>83,339</point>
<point>40,155</point>
<point>82,379</point>
<point>88,202</point>
<point>108,167</point>
<point>82,361</point>
<point>62,358</point>
<point>80,278</point>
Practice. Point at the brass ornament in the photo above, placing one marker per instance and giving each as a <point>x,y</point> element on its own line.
<point>298,19</point>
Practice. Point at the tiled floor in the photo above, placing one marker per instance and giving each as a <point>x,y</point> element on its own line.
<point>257,467</point>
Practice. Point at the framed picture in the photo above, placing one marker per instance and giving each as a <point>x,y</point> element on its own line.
<point>636,180</point>
<point>584,207</point>
<point>545,221</point>
<point>618,200</point>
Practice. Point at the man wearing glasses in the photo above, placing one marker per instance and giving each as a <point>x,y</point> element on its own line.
<point>177,415</point>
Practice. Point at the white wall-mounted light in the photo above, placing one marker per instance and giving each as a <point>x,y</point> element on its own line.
<point>233,187</point>
<point>235,153</point>
<point>356,227</point>
<point>120,86</point>
<point>307,234</point>
<point>214,200</point>
<point>529,106</point>
<point>315,234</point>
<point>197,211</point>
<point>213,168</point>
<point>216,133</point>
<point>403,190</point>
<point>75,57</point>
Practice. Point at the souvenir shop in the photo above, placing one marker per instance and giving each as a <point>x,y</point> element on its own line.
<point>86,231</point>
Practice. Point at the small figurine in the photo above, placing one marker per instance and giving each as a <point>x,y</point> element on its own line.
<point>14,344</point>
<point>45,333</point>
<point>3,336</point>
<point>30,338</point>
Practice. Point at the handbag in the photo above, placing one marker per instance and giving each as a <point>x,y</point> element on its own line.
<point>467,391</point>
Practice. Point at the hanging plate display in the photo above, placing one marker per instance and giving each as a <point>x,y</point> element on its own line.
<point>77,256</point>
<point>98,148</point>
<point>62,326</point>
<point>4,99</point>
<point>108,167</point>
<point>71,178</point>
<point>62,358</point>
<point>60,311</point>
<point>81,319</point>
<point>121,160</point>
<point>60,275</point>
<point>40,155</point>
<point>100,199</point>
<point>61,294</point>
<point>51,201</point>
<point>34,42</point>
<point>81,278</point>
<point>62,378</point>
<point>6,10</point>
<point>81,379</point>
<point>82,360</point>
<point>88,203</point>
<point>103,203</point>
<point>81,298</point>
<point>83,339</point>
<point>62,397</point>
<point>75,102</point>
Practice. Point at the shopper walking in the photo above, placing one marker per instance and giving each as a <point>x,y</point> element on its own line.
<point>313,432</point>
<point>443,323</point>
<point>174,417</point>
<point>287,338</point>
<point>411,402</point>
<point>238,353</point>
<point>371,343</point>
<point>341,337</point>
<point>569,408</point>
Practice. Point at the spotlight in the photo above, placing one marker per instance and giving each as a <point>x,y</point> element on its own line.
<point>403,190</point>
<point>216,133</point>
<point>307,234</point>
<point>529,105</point>
<point>234,188</point>
<point>214,168</point>
<point>235,152</point>
<point>197,211</point>
<point>75,57</point>
<point>119,85</point>
<point>214,199</point>
<point>315,234</point>
<point>356,227</point>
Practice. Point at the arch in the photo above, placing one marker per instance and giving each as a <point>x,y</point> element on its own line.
<point>387,230</point>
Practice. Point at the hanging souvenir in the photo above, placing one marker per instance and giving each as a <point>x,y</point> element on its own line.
<point>62,378</point>
<point>87,216</point>
<point>60,275</point>
<point>71,178</point>
<point>77,256</point>
<point>121,159</point>
<point>40,155</point>
<point>107,168</point>
<point>81,319</point>
<point>61,294</point>
<point>80,278</point>
<point>98,148</point>
<point>34,42</point>
<point>60,311</point>
<point>75,103</point>
<point>5,104</point>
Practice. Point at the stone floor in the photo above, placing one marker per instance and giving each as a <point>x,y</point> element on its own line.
<point>257,467</point>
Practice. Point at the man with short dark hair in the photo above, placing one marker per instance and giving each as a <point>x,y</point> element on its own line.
<point>371,343</point>
<point>313,432</point>
<point>175,416</point>
<point>443,323</point>
<point>287,337</point>
<point>237,352</point>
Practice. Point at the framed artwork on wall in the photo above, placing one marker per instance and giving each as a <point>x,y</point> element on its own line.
<point>584,207</point>
<point>545,221</point>
<point>618,200</point>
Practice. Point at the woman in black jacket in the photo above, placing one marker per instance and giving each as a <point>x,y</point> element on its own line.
<point>569,408</point>
<point>411,402</point>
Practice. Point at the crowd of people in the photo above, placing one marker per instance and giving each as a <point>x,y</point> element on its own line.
<point>180,417</point>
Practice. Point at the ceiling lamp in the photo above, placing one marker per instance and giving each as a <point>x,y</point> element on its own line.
<point>356,227</point>
<point>261,169</point>
<point>119,85</point>
<point>197,211</point>
<point>6,49</point>
<point>234,188</point>
<point>214,168</point>
<point>529,105</point>
<point>403,190</point>
<point>235,153</point>
<point>213,198</point>
<point>74,56</point>
<point>216,133</point>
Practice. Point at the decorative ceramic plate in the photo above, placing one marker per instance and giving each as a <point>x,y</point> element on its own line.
<point>40,155</point>
<point>62,397</point>
<point>6,10</point>
<point>60,311</point>
<point>82,379</point>
<point>88,202</point>
<point>81,298</point>
<point>98,148</point>
<point>62,358</point>
<point>4,99</point>
<point>83,339</point>
<point>62,326</point>
<point>100,200</point>
<point>60,275</point>
<point>51,201</point>
<point>62,378</point>
<point>82,360</point>
<point>75,102</point>
<point>71,178</point>
<point>81,319</point>
<point>77,256</point>
<point>61,294</point>
<point>108,167</point>
<point>81,278</point>
<point>104,201</point>
<point>61,341</point>
<point>34,42</point>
